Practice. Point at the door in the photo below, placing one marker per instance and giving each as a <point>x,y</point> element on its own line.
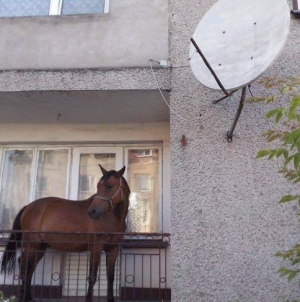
<point>85,176</point>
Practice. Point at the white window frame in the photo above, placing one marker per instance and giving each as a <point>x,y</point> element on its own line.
<point>56,7</point>
<point>72,181</point>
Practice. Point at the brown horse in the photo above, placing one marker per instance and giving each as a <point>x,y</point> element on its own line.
<point>37,226</point>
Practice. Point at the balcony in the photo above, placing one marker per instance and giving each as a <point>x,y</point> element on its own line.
<point>141,271</point>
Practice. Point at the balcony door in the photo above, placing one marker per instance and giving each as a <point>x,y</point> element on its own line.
<point>85,176</point>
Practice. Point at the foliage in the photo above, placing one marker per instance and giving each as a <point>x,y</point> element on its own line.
<point>289,151</point>
<point>3,299</point>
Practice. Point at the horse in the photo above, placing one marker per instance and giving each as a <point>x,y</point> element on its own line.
<point>40,224</point>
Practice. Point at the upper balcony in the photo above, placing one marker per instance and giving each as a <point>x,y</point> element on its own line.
<point>127,34</point>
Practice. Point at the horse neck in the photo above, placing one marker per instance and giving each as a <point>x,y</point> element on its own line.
<point>121,209</point>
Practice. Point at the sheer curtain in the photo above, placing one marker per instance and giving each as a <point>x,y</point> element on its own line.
<point>15,185</point>
<point>51,173</point>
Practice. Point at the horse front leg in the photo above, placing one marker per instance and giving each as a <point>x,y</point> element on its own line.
<point>111,257</point>
<point>95,257</point>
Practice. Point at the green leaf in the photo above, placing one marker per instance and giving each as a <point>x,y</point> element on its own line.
<point>296,160</point>
<point>279,116</point>
<point>283,271</point>
<point>294,105</point>
<point>270,99</point>
<point>288,198</point>
<point>272,113</point>
<point>285,154</point>
<point>292,275</point>
<point>293,136</point>
<point>287,160</point>
<point>263,153</point>
<point>279,152</point>
<point>272,154</point>
<point>296,261</point>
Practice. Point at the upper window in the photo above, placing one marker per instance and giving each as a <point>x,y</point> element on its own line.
<point>18,8</point>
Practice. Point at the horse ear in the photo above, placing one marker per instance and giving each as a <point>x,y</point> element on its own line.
<point>121,172</point>
<point>102,169</point>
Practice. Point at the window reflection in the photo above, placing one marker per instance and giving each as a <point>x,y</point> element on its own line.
<point>16,8</point>
<point>143,177</point>
<point>82,7</point>
<point>89,172</point>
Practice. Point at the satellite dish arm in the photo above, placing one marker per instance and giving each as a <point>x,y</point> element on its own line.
<point>210,68</point>
<point>237,116</point>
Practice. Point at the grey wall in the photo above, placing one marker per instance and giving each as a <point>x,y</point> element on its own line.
<point>226,226</point>
<point>133,32</point>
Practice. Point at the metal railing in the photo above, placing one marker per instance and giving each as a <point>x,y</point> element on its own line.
<point>142,271</point>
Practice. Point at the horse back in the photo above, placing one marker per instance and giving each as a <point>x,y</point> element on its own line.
<point>61,216</point>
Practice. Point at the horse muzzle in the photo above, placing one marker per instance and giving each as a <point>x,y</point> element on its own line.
<point>95,213</point>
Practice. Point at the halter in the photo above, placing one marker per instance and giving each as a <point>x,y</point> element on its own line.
<point>110,199</point>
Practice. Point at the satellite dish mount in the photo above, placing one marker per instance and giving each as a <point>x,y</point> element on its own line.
<point>239,42</point>
<point>227,94</point>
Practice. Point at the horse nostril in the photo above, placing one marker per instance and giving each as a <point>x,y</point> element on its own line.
<point>92,212</point>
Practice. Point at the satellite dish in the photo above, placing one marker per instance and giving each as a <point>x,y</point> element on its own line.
<point>237,41</point>
<point>240,40</point>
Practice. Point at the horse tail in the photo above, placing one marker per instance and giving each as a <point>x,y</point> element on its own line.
<point>8,260</point>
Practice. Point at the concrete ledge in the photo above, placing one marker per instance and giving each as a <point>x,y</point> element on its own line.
<point>85,79</point>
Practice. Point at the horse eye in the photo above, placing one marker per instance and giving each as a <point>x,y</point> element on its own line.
<point>108,187</point>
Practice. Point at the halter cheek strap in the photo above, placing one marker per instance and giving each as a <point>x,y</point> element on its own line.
<point>110,199</point>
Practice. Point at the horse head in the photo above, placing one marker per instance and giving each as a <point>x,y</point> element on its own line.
<point>109,192</point>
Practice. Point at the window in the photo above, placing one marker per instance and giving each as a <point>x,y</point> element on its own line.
<point>18,8</point>
<point>29,173</point>
<point>144,179</point>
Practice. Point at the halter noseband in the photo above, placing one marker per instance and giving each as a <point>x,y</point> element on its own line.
<point>110,199</point>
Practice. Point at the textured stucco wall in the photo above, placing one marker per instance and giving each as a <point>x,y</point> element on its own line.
<point>133,32</point>
<point>226,226</point>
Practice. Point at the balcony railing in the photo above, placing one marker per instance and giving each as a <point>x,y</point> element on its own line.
<point>142,271</point>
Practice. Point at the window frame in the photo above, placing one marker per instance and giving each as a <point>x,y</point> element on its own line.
<point>72,176</point>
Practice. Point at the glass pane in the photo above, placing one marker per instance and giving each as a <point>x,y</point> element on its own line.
<point>143,177</point>
<point>52,173</point>
<point>15,8</point>
<point>82,7</point>
<point>90,173</point>
<point>15,186</point>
